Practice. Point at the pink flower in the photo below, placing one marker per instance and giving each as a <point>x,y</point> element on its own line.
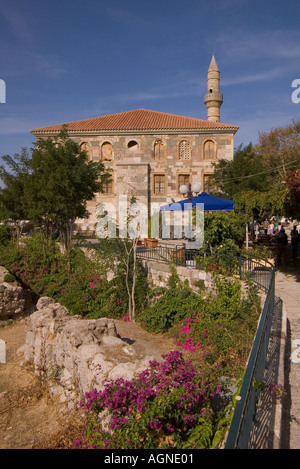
<point>186,329</point>
<point>92,285</point>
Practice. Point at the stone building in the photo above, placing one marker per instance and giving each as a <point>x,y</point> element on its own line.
<point>152,153</point>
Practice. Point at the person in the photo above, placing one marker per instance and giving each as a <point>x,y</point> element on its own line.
<point>271,228</point>
<point>251,230</point>
<point>266,225</point>
<point>282,241</point>
<point>260,228</point>
<point>256,228</point>
<point>294,241</point>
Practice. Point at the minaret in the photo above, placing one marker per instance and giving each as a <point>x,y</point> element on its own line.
<point>213,99</point>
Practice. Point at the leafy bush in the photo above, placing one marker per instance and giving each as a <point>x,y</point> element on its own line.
<point>221,227</point>
<point>169,405</point>
<point>216,327</point>
<point>41,266</point>
<point>9,278</point>
<point>4,234</point>
<point>173,306</point>
<point>222,331</point>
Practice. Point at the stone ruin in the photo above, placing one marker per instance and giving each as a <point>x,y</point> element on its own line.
<point>74,355</point>
<point>13,298</point>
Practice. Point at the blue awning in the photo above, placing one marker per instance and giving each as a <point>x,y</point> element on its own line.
<point>210,204</point>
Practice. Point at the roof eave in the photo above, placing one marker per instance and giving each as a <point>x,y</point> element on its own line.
<point>52,133</point>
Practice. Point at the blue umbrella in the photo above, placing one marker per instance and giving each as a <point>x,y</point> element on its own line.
<point>210,204</point>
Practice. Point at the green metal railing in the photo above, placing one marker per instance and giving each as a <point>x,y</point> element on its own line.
<point>241,426</point>
<point>262,273</point>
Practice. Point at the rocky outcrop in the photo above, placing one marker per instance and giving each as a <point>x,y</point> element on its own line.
<point>12,298</point>
<point>74,355</point>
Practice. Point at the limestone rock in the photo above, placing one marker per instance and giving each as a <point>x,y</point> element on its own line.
<point>74,355</point>
<point>12,298</point>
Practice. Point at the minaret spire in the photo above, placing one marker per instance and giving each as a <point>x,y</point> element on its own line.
<point>213,99</point>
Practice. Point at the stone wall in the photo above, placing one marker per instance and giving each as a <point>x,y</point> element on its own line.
<point>12,298</point>
<point>159,273</point>
<point>75,355</point>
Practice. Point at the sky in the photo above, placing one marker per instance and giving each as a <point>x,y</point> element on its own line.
<point>69,60</point>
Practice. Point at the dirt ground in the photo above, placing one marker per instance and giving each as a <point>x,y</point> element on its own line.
<point>29,417</point>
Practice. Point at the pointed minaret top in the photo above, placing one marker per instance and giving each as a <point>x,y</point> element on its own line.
<point>213,64</point>
<point>213,98</point>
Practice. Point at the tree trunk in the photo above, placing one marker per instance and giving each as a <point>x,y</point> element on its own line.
<point>134,244</point>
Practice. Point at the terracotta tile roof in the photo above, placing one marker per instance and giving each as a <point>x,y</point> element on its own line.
<point>139,120</point>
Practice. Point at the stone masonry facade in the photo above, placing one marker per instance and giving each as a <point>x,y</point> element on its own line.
<point>135,170</point>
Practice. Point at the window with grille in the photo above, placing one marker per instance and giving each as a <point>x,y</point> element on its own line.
<point>183,179</point>
<point>108,188</point>
<point>159,184</point>
<point>184,150</point>
<point>208,185</point>
<point>209,150</point>
<point>159,150</point>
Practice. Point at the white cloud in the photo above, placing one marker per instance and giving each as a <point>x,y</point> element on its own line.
<point>19,22</point>
<point>126,17</point>
<point>249,129</point>
<point>244,45</point>
<point>260,76</point>
<point>46,65</point>
<point>15,125</point>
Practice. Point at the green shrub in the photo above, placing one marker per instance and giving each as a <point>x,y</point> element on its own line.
<point>4,234</point>
<point>173,306</point>
<point>9,278</point>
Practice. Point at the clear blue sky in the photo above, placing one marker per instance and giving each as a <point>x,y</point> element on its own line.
<point>68,60</point>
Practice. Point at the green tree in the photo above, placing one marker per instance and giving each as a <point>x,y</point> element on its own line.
<point>256,204</point>
<point>280,150</point>
<point>14,173</point>
<point>61,182</point>
<point>223,229</point>
<point>292,201</point>
<point>245,172</point>
<point>123,246</point>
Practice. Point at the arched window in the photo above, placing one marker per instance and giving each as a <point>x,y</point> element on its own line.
<point>209,150</point>
<point>132,145</point>
<point>85,147</point>
<point>106,151</point>
<point>159,150</point>
<point>184,150</point>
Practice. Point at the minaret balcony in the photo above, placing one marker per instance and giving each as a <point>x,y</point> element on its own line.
<point>212,96</point>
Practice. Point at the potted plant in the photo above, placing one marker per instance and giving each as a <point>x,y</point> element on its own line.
<point>151,242</point>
